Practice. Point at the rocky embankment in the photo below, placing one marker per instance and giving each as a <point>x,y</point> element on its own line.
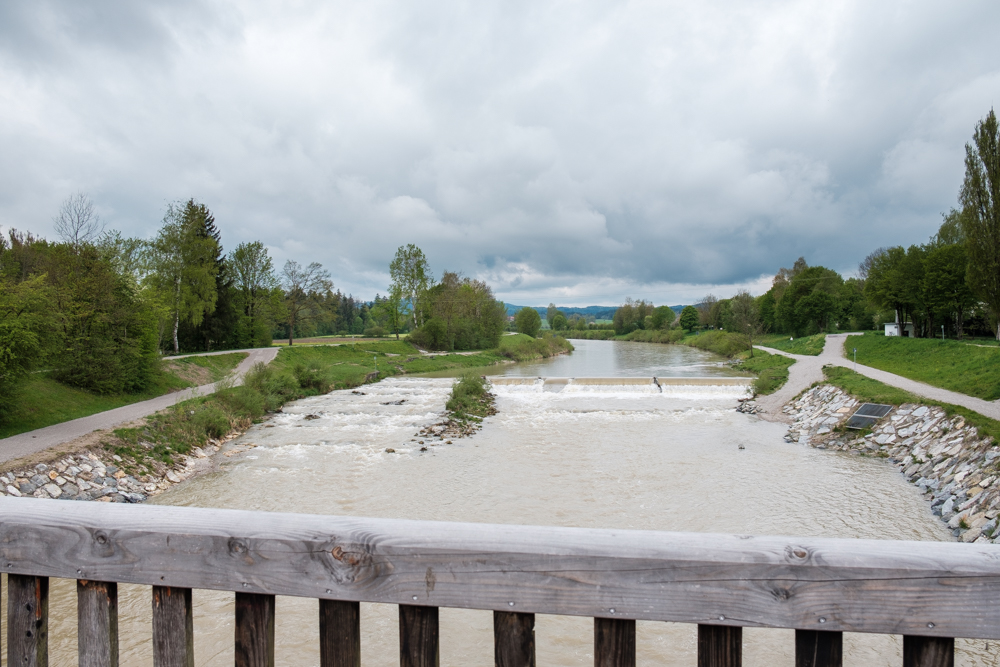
<point>946,458</point>
<point>100,476</point>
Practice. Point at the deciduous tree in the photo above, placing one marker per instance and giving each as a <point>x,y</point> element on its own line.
<point>528,321</point>
<point>304,289</point>
<point>411,277</point>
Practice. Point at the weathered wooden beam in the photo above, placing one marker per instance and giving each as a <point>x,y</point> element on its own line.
<point>97,623</point>
<point>720,646</point>
<point>513,639</point>
<point>173,627</point>
<point>614,642</point>
<point>419,640</point>
<point>815,648</point>
<point>254,630</point>
<point>339,633</point>
<point>27,621</point>
<point>928,651</point>
<point>879,586</point>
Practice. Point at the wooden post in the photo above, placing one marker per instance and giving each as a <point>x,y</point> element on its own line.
<point>614,642</point>
<point>928,651</point>
<point>254,630</point>
<point>720,646</point>
<point>173,627</point>
<point>814,648</point>
<point>339,633</point>
<point>27,621</point>
<point>97,623</point>
<point>513,639</point>
<point>418,636</point>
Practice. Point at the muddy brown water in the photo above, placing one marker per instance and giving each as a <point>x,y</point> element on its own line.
<point>606,457</point>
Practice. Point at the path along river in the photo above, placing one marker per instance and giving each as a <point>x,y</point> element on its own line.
<point>608,457</point>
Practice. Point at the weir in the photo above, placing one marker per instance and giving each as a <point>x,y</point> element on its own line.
<point>928,592</point>
<point>652,383</point>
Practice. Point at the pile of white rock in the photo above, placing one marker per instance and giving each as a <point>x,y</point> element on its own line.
<point>946,458</point>
<point>90,476</point>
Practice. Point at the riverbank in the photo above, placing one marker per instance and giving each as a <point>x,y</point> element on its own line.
<point>954,463</point>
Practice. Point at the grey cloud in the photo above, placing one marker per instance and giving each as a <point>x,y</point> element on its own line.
<point>546,146</point>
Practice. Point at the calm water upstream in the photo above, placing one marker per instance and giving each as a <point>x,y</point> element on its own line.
<point>609,457</point>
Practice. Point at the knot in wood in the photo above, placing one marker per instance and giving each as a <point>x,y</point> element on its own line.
<point>797,553</point>
<point>101,538</point>
<point>781,594</point>
<point>237,547</point>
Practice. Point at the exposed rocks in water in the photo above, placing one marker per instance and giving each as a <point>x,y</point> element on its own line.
<point>399,402</point>
<point>749,407</point>
<point>311,417</point>
<point>947,459</point>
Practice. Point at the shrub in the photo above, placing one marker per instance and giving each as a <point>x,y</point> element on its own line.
<point>467,395</point>
<point>311,378</point>
<point>211,421</point>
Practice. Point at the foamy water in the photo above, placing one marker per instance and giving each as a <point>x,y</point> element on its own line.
<point>605,457</point>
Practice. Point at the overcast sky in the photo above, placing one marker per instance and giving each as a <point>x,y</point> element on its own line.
<point>576,152</point>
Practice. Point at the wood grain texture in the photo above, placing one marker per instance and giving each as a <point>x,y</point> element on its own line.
<point>97,623</point>
<point>513,639</point>
<point>254,630</point>
<point>27,621</point>
<point>419,638</point>
<point>614,642</point>
<point>814,648</point>
<point>173,627</point>
<point>720,646</point>
<point>928,651</point>
<point>879,586</point>
<point>339,633</point>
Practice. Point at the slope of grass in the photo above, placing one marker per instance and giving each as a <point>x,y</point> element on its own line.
<point>521,347</point>
<point>771,371</point>
<point>868,390</point>
<point>43,401</point>
<point>948,364</point>
<point>810,345</point>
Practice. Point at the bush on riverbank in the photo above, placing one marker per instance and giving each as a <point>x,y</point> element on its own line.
<point>722,343</point>
<point>591,334</point>
<point>470,397</point>
<point>521,347</point>
<point>809,345</point>
<point>654,336</point>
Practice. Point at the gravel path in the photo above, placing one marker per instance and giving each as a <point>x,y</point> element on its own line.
<point>808,370</point>
<point>32,442</point>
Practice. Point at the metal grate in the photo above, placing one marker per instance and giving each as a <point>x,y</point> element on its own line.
<point>867,415</point>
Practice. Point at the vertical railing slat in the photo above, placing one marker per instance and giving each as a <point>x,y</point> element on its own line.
<point>720,646</point>
<point>27,621</point>
<point>815,648</point>
<point>339,633</point>
<point>173,627</point>
<point>418,636</point>
<point>97,623</point>
<point>928,651</point>
<point>254,630</point>
<point>614,642</point>
<point>513,639</point>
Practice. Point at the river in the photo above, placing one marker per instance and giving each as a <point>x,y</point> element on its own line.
<point>607,457</point>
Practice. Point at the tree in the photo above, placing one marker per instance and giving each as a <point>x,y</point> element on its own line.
<point>559,322</point>
<point>980,198</point>
<point>24,307</point>
<point>689,318</point>
<point>257,293</point>
<point>411,277</point>
<point>77,222</point>
<point>304,287</point>
<point>184,267</point>
<point>631,316</point>
<point>218,326</point>
<point>528,321</point>
<point>663,316</point>
<point>945,288</point>
<point>746,317</point>
<point>463,315</point>
<point>708,311</point>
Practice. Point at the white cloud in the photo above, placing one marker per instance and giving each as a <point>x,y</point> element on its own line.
<point>577,150</point>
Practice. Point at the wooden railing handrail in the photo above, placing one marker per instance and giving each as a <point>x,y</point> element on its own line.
<point>932,589</point>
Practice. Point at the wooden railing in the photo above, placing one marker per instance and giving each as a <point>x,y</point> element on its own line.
<point>929,592</point>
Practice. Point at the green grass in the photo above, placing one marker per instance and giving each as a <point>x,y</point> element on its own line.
<point>771,370</point>
<point>948,364</point>
<point>521,347</point>
<point>470,399</point>
<point>867,390</point>
<point>809,345</point>
<point>43,401</point>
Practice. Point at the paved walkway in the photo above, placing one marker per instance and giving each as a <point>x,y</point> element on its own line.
<point>32,442</point>
<point>808,370</point>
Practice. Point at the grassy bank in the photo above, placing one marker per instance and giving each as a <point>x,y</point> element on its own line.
<point>44,402</point>
<point>808,345</point>
<point>872,391</point>
<point>521,347</point>
<point>297,372</point>
<point>948,364</point>
<point>771,371</point>
<point>596,334</point>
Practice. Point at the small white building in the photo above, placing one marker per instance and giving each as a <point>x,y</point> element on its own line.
<point>897,329</point>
